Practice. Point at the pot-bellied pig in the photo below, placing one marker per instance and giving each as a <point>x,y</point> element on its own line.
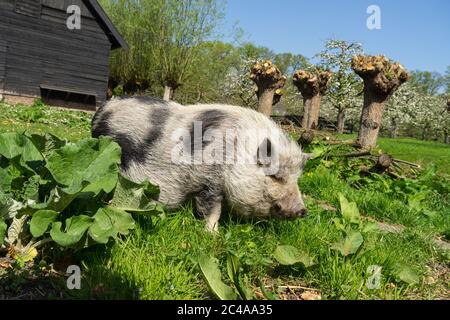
<point>219,155</point>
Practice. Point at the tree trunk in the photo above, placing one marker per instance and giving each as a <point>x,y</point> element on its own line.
<point>341,120</point>
<point>446,137</point>
<point>381,79</point>
<point>306,112</point>
<point>311,111</point>
<point>168,93</point>
<point>314,112</point>
<point>312,85</point>
<point>393,129</point>
<point>265,102</point>
<point>424,132</point>
<point>269,80</point>
<point>370,120</point>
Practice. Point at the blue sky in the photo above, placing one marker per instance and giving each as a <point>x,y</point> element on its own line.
<point>415,33</point>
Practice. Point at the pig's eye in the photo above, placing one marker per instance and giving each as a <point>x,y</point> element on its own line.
<point>277,178</point>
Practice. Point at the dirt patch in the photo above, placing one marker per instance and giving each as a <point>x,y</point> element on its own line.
<point>29,282</point>
<point>287,289</point>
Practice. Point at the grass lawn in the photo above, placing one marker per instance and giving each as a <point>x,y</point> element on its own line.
<point>158,260</point>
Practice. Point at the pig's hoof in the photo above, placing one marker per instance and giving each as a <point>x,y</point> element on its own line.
<point>212,228</point>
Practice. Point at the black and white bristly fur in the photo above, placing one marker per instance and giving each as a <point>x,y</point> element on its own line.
<point>150,132</point>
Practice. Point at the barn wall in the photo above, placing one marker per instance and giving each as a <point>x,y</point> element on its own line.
<point>28,7</point>
<point>42,51</point>
<point>2,63</point>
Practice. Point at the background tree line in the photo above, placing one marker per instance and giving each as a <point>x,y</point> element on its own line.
<point>176,53</point>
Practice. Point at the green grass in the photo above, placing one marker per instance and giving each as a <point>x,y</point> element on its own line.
<point>158,259</point>
<point>72,125</point>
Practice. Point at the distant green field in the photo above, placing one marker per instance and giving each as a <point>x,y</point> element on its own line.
<point>158,259</point>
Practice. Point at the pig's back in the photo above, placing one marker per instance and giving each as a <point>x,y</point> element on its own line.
<point>145,127</point>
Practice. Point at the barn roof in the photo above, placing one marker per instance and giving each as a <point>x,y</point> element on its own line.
<point>114,36</point>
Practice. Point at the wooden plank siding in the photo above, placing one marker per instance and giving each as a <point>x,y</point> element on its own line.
<point>63,4</point>
<point>29,7</point>
<point>2,63</point>
<point>41,51</point>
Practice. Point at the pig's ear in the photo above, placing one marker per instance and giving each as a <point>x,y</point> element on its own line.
<point>264,153</point>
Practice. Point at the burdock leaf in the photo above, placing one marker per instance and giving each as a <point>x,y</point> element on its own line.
<point>289,255</point>
<point>211,273</point>
<point>41,220</point>
<point>350,244</point>
<point>108,222</point>
<point>15,144</point>
<point>75,228</point>
<point>92,160</point>
<point>349,210</point>
<point>406,274</point>
<point>3,228</point>
<point>136,197</point>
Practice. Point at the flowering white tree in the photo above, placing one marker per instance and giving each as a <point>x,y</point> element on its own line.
<point>352,111</point>
<point>430,116</point>
<point>440,121</point>
<point>402,108</point>
<point>345,85</point>
<point>239,86</point>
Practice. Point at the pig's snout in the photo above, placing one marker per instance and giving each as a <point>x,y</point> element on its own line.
<point>300,211</point>
<point>291,212</point>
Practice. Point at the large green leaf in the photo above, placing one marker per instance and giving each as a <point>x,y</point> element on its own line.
<point>46,143</point>
<point>350,244</point>
<point>234,273</point>
<point>406,274</point>
<point>3,228</point>
<point>5,180</point>
<point>289,255</point>
<point>57,200</point>
<point>211,273</point>
<point>31,188</point>
<point>133,197</point>
<point>75,228</point>
<point>41,220</point>
<point>349,210</point>
<point>92,160</point>
<point>108,222</point>
<point>14,144</point>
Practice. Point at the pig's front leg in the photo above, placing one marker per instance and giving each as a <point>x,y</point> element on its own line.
<point>209,206</point>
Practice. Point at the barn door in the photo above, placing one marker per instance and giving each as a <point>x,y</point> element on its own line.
<point>2,64</point>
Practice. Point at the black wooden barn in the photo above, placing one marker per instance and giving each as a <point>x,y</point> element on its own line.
<point>41,57</point>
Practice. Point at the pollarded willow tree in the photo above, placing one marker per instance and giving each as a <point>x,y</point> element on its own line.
<point>312,85</point>
<point>381,79</point>
<point>179,28</point>
<point>269,81</point>
<point>164,37</point>
<point>238,87</point>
